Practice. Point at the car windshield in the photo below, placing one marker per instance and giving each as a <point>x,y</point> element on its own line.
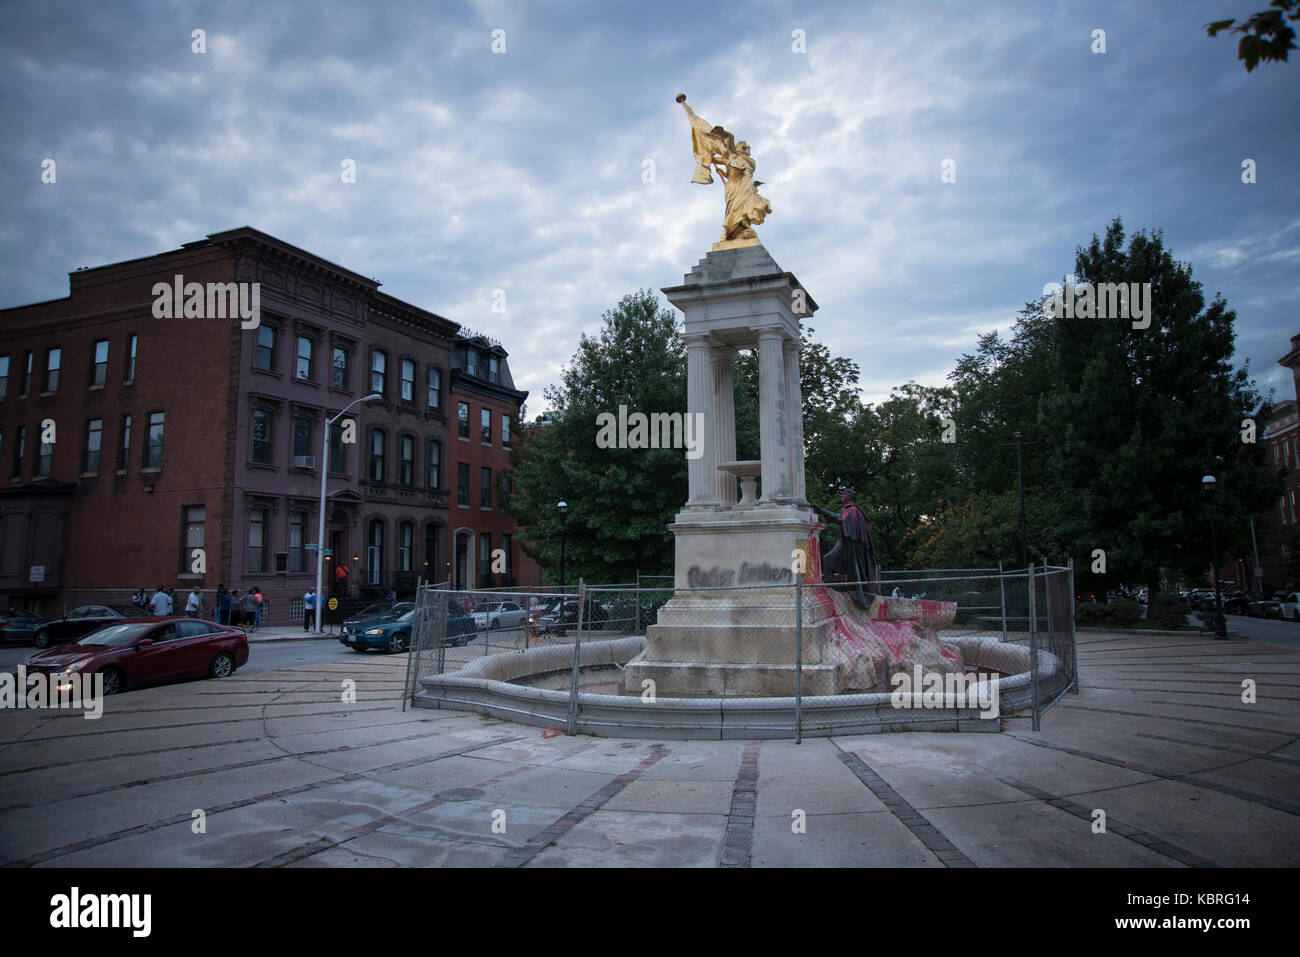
<point>116,635</point>
<point>490,607</point>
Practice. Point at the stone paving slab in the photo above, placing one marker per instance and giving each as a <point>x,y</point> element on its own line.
<point>290,775</point>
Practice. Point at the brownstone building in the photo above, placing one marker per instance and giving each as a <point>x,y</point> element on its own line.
<point>168,439</point>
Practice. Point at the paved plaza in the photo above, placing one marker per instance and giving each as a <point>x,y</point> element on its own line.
<point>285,773</point>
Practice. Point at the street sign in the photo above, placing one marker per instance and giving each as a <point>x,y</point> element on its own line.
<point>333,604</point>
<point>311,546</point>
<point>37,573</point>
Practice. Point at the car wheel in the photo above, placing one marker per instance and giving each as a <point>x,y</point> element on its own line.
<point>114,681</point>
<point>42,639</point>
<point>495,626</point>
<point>223,666</point>
<point>397,643</point>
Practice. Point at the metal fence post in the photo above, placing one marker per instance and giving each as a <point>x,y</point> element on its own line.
<point>798,658</point>
<point>577,658</point>
<point>1002,582</point>
<point>1033,646</point>
<point>1074,649</point>
<point>636,629</point>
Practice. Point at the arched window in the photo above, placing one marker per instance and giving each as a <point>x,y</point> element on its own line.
<point>405,549</point>
<point>377,455</point>
<point>375,553</point>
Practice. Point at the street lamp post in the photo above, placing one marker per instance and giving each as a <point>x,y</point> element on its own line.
<point>562,508</point>
<point>1220,625</point>
<point>324,472</point>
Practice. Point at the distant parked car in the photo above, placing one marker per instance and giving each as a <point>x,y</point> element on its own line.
<point>492,615</point>
<point>1291,606</point>
<point>144,651</point>
<point>1238,603</point>
<point>19,625</point>
<point>1267,607</point>
<point>80,622</point>
<point>557,619</point>
<point>387,634</point>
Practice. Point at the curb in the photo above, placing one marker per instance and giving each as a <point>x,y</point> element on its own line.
<point>1204,632</point>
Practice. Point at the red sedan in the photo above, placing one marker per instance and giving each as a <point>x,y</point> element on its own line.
<point>145,651</point>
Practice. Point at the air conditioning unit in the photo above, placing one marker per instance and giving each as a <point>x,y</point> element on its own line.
<point>304,461</point>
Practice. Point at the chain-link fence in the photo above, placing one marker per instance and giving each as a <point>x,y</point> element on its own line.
<point>936,647</point>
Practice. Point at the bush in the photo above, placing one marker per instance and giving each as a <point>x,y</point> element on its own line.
<point>1166,612</point>
<point>1125,612</point>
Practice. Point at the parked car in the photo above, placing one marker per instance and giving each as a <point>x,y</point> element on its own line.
<point>1267,607</point>
<point>1238,603</point>
<point>1291,606</point>
<point>461,629</point>
<point>80,622</point>
<point>372,615</point>
<point>388,634</point>
<point>557,618</point>
<point>141,651</point>
<point>19,625</point>
<point>492,615</point>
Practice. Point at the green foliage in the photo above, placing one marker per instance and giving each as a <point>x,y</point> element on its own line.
<point>1265,35</point>
<point>620,500</point>
<point>1165,612</point>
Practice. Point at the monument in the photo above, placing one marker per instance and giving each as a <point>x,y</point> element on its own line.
<point>730,640</point>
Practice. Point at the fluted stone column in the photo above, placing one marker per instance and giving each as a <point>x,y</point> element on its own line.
<point>725,409</point>
<point>700,399</point>
<point>794,419</point>
<point>773,433</point>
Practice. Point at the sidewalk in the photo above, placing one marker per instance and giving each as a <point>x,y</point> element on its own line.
<point>292,633</point>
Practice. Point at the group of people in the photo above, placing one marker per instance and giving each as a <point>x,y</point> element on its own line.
<point>232,607</point>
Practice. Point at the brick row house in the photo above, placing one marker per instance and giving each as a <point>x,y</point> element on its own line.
<point>134,440</point>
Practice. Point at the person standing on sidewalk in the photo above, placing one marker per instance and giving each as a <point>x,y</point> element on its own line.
<point>161,603</point>
<point>257,612</point>
<point>309,610</point>
<point>223,605</point>
<point>249,606</point>
<point>236,609</point>
<point>193,604</point>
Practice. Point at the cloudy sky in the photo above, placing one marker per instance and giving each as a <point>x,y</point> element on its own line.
<point>526,170</point>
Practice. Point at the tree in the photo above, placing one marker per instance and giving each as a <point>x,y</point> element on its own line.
<point>620,499</point>
<point>1265,35</point>
<point>1132,418</point>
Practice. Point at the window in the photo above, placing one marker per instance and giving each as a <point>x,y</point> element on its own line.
<point>27,373</point>
<point>53,359</point>
<point>408,380</point>
<point>485,488</point>
<point>485,557</point>
<point>376,455</point>
<point>375,553</point>
<point>340,371</point>
<point>20,449</point>
<point>46,459</point>
<point>338,464</point>
<point>462,419</point>
<point>130,360</point>
<point>434,476</point>
<point>257,520</point>
<point>302,457</point>
<point>406,461</point>
<point>153,452</point>
<point>505,431</point>
<point>1275,461</point>
<point>471,361</point>
<point>494,369</point>
<point>303,368</point>
<point>379,372</point>
<point>4,376</point>
<point>462,484</point>
<point>297,539</point>
<point>263,434</point>
<point>94,435</point>
<point>99,370</point>
<point>485,425</point>
<point>124,451</point>
<point>435,386</point>
<point>405,543</point>
<point>192,521</point>
<point>507,544</point>
<point>265,356</point>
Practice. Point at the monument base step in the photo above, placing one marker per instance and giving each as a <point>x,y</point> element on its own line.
<point>697,679</point>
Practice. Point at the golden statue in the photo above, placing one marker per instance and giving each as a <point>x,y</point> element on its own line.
<point>715,148</point>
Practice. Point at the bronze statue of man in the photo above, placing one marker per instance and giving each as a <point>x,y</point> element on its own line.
<point>854,554</point>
